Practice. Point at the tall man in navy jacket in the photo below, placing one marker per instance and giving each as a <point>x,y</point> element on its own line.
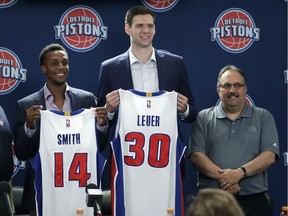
<point>144,68</point>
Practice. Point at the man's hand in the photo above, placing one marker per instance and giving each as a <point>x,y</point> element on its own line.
<point>234,188</point>
<point>112,101</point>
<point>229,177</point>
<point>182,102</point>
<point>32,114</point>
<point>101,116</point>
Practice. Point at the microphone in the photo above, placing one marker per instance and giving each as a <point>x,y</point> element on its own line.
<point>5,191</point>
<point>94,198</point>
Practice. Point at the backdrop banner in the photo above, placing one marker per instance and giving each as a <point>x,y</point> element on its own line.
<point>208,34</point>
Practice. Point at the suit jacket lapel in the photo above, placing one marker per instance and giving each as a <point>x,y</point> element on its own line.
<point>125,71</point>
<point>73,97</point>
<point>161,69</point>
<point>39,98</point>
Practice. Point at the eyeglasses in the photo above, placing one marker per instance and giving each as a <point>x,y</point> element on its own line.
<point>227,86</point>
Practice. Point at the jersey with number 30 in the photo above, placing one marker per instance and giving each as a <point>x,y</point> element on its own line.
<point>65,162</point>
<point>146,155</point>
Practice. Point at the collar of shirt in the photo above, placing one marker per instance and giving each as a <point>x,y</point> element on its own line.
<point>134,59</point>
<point>246,112</point>
<point>144,76</point>
<point>49,100</point>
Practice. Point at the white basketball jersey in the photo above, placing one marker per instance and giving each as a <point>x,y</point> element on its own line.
<point>146,155</point>
<point>66,162</point>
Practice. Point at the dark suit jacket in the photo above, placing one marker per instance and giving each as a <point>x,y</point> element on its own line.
<point>6,159</point>
<point>115,73</point>
<point>26,148</point>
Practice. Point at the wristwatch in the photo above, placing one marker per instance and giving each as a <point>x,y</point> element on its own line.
<point>244,171</point>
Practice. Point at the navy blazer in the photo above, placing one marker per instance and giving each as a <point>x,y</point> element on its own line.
<point>6,159</point>
<point>115,73</point>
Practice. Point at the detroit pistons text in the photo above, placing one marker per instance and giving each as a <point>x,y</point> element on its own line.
<point>148,120</point>
<point>68,139</point>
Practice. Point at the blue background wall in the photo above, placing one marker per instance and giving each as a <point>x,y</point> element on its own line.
<point>27,26</point>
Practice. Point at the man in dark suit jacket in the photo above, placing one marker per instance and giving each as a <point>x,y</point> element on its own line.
<point>145,69</point>
<point>164,70</point>
<point>115,73</point>
<point>56,95</point>
<point>6,158</point>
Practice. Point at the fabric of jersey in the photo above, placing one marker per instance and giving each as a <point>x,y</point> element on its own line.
<point>146,154</point>
<point>66,162</point>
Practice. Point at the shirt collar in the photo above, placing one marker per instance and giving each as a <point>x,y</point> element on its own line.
<point>246,112</point>
<point>48,94</point>
<point>134,59</point>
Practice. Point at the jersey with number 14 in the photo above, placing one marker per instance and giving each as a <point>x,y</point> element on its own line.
<point>66,162</point>
<point>146,155</point>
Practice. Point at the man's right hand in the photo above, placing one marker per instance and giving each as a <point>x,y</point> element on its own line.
<point>32,114</point>
<point>112,101</point>
<point>235,189</point>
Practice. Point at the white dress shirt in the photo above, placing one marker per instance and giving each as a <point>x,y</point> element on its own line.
<point>144,76</point>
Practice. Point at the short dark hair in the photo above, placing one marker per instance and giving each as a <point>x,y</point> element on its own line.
<point>137,10</point>
<point>50,48</point>
<point>230,67</point>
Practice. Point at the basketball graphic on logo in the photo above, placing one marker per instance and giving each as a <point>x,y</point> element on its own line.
<point>160,5</point>
<point>11,71</point>
<point>235,30</point>
<point>235,41</point>
<point>7,3</point>
<point>77,39</point>
<point>81,28</point>
<point>6,83</point>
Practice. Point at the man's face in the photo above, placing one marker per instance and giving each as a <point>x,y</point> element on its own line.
<point>232,90</point>
<point>56,67</point>
<point>142,30</point>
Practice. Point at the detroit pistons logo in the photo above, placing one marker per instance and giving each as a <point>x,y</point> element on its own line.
<point>160,5</point>
<point>248,100</point>
<point>81,29</point>
<point>7,3</point>
<point>235,30</point>
<point>11,71</point>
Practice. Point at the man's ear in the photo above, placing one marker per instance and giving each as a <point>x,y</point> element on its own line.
<point>127,28</point>
<point>43,68</point>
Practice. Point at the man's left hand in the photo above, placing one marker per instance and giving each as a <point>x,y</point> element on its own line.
<point>182,102</point>
<point>101,116</point>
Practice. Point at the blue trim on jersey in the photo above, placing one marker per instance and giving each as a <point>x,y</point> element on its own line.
<point>179,199</point>
<point>36,165</point>
<point>101,161</point>
<point>119,184</point>
<point>76,112</point>
<point>144,94</point>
